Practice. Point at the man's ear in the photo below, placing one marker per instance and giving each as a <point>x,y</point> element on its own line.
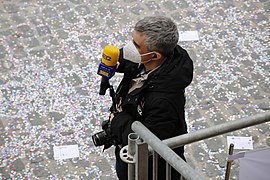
<point>156,56</point>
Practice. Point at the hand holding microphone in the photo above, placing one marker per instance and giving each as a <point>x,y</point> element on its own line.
<point>107,67</point>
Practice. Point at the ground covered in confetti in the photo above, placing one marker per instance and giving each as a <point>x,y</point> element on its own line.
<point>49,54</point>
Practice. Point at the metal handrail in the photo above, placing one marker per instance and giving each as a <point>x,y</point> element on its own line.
<point>230,126</point>
<point>167,153</point>
<point>164,148</point>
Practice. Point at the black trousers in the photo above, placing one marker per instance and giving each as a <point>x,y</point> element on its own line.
<point>122,167</point>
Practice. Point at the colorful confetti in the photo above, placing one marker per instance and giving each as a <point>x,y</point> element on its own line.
<point>49,55</point>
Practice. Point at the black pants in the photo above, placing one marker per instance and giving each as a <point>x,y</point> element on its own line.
<point>122,167</point>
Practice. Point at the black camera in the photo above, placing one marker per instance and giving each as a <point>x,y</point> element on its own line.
<point>104,137</point>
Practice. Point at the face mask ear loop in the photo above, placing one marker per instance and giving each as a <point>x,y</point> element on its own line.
<point>146,54</point>
<point>145,62</point>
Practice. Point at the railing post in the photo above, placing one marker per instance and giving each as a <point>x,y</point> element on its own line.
<point>132,138</point>
<point>127,155</point>
<point>168,171</point>
<point>141,162</point>
<point>155,165</point>
<point>229,163</point>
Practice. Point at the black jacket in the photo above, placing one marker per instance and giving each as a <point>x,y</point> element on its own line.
<point>162,94</point>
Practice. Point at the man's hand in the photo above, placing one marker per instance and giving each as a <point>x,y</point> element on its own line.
<point>111,117</point>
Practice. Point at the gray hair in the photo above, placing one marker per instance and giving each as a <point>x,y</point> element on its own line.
<point>161,33</point>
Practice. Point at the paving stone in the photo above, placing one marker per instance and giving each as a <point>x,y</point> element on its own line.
<point>103,11</point>
<point>218,118</point>
<point>76,1</point>
<point>43,30</point>
<point>3,52</point>
<point>255,93</point>
<point>129,1</point>
<point>11,8</point>
<point>221,157</point>
<point>5,174</point>
<point>36,20</point>
<point>74,79</point>
<point>41,172</point>
<point>214,144</point>
<point>81,91</point>
<point>104,163</point>
<point>264,106</point>
<point>56,116</point>
<point>220,95</point>
<point>25,31</point>
<point>81,163</point>
<point>116,10</point>
<point>199,154</point>
<point>71,17</point>
<point>35,119</point>
<point>25,1</point>
<point>233,110</point>
<point>264,129</point>
<point>62,34</point>
<point>2,140</point>
<point>6,32</point>
<point>6,65</point>
<point>2,127</point>
<point>4,23</point>
<point>206,105</point>
<point>49,153</point>
<point>265,87</point>
<point>266,5</point>
<point>112,23</point>
<point>50,41</point>
<point>82,10</point>
<point>18,19</point>
<point>176,16</point>
<point>169,5</point>
<point>152,5</point>
<point>56,53</point>
<point>31,42</point>
<point>17,165</point>
<point>36,159</point>
<point>13,42</point>
<point>61,6</point>
<point>211,170</point>
<point>242,100</point>
<point>199,125</point>
<point>195,114</point>
<point>49,12</point>
<point>244,82</point>
<point>68,132</point>
<point>136,9</point>
<point>268,142</point>
<point>91,22</point>
<point>257,77</point>
<point>38,52</point>
<point>249,110</point>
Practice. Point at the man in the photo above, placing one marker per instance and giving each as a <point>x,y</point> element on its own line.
<point>156,73</point>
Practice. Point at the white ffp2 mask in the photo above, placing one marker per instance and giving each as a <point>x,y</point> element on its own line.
<point>131,53</point>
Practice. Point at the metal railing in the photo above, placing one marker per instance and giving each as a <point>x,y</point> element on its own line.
<point>138,144</point>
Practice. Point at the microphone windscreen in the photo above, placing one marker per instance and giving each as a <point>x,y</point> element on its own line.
<point>110,55</point>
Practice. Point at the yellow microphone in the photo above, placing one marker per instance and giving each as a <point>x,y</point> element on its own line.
<point>108,61</point>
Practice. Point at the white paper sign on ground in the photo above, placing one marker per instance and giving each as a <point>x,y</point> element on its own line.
<point>188,36</point>
<point>240,143</point>
<point>66,152</point>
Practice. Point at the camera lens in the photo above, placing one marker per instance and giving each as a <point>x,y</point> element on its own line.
<point>99,138</point>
